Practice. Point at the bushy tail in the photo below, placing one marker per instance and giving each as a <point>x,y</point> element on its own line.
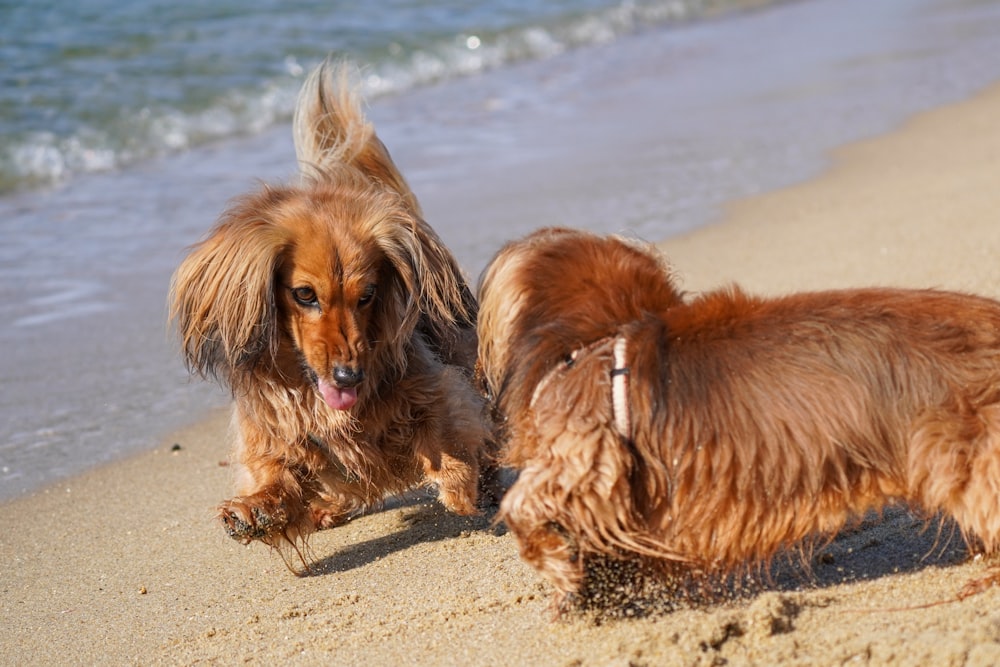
<point>330,129</point>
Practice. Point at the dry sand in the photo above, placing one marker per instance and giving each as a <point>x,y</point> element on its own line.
<point>126,565</point>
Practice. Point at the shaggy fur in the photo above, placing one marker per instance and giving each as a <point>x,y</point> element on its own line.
<point>343,327</point>
<point>754,423</point>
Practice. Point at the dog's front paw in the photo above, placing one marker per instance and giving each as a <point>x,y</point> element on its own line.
<point>460,502</point>
<point>325,517</point>
<point>248,519</point>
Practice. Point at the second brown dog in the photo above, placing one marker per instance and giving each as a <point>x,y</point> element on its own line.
<point>710,432</point>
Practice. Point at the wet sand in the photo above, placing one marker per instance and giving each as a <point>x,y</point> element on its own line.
<point>125,564</point>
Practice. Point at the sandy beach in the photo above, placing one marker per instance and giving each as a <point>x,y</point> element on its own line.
<point>125,564</point>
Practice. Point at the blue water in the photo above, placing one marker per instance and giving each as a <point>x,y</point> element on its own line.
<point>101,84</point>
<point>125,128</point>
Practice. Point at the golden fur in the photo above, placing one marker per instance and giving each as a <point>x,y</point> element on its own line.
<point>343,327</point>
<point>755,423</point>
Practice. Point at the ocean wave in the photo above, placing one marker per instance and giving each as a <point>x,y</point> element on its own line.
<point>127,132</point>
<point>37,158</point>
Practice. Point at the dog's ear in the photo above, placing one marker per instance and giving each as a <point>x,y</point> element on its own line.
<point>222,295</point>
<point>446,299</point>
<point>598,484</point>
<point>427,290</point>
<point>399,289</point>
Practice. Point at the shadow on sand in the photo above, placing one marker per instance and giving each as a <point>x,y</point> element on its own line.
<point>424,520</point>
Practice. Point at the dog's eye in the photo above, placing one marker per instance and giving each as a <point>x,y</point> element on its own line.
<point>367,295</point>
<point>305,296</point>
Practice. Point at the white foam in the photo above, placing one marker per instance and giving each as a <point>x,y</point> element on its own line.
<point>60,300</point>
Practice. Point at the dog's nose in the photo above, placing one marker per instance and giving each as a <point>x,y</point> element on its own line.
<point>346,376</point>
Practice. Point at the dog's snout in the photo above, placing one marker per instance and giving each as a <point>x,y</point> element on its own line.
<point>345,376</point>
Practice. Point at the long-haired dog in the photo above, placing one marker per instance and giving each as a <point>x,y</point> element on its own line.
<point>706,434</point>
<point>345,330</point>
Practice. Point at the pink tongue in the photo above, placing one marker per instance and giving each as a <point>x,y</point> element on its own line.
<point>337,398</point>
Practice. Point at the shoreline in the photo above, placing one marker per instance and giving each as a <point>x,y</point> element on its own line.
<point>125,564</point>
<point>647,135</point>
<point>920,208</point>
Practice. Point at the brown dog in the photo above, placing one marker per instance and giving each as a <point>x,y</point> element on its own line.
<point>709,433</point>
<point>344,328</point>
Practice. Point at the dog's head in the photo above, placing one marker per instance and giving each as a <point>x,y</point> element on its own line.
<point>323,283</point>
<point>554,291</point>
<point>563,316</point>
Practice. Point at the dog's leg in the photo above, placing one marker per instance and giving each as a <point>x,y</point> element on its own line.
<point>980,516</point>
<point>339,496</point>
<point>456,476</point>
<point>271,501</point>
<point>954,467</point>
<point>328,515</point>
<point>450,460</point>
<point>450,448</point>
